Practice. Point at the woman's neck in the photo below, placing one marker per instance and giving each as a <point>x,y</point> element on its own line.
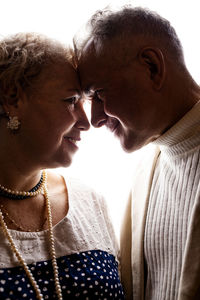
<point>18,177</point>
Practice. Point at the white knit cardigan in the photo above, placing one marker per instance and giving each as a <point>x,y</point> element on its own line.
<point>132,233</point>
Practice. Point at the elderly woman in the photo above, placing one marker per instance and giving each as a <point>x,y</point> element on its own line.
<point>56,240</point>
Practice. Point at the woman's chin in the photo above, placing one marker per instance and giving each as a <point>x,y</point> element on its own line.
<point>62,163</point>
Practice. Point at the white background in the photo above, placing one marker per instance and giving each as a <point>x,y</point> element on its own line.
<point>100,161</point>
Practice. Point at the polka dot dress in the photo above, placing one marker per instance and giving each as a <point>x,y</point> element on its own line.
<point>86,275</point>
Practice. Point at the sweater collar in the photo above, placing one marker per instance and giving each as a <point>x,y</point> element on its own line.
<point>184,135</point>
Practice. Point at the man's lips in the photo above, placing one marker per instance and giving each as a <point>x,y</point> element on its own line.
<point>112,125</point>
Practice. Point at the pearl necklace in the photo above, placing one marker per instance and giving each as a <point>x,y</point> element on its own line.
<point>36,190</point>
<point>52,249</point>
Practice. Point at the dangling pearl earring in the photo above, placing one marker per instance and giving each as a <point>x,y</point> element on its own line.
<point>13,123</point>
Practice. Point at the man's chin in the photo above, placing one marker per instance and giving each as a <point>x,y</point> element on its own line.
<point>129,149</point>
<point>130,146</point>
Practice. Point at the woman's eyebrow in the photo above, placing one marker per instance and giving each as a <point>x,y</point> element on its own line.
<point>76,91</point>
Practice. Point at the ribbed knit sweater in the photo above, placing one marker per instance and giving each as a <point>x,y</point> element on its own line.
<point>175,190</point>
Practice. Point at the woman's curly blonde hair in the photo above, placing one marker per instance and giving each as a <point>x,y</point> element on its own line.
<point>22,58</point>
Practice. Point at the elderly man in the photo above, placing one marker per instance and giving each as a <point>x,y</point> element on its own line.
<point>132,67</point>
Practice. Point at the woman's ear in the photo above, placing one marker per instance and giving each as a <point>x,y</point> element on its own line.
<point>154,61</point>
<point>11,101</point>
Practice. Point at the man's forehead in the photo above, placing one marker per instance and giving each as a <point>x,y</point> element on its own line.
<point>92,67</point>
<point>90,58</point>
<point>93,78</point>
<point>110,54</point>
<point>98,63</point>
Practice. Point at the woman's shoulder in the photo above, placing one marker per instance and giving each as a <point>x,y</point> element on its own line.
<point>58,182</point>
<point>80,190</point>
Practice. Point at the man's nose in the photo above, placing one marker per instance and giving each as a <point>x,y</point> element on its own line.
<point>98,116</point>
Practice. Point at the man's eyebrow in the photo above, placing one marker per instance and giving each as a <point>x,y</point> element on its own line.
<point>88,91</point>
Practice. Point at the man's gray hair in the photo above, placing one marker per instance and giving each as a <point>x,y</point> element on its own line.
<point>106,25</point>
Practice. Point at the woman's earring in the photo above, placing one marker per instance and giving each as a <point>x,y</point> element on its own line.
<point>13,123</point>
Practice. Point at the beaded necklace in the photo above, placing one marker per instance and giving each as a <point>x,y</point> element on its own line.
<point>36,190</point>
<point>51,248</point>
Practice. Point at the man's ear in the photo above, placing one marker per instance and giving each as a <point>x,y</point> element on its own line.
<point>153,59</point>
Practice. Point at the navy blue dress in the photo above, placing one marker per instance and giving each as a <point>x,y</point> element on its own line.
<point>86,249</point>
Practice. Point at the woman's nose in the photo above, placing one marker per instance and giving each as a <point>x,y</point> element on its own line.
<point>82,119</point>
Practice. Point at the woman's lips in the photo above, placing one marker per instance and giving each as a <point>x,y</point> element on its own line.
<point>73,140</point>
